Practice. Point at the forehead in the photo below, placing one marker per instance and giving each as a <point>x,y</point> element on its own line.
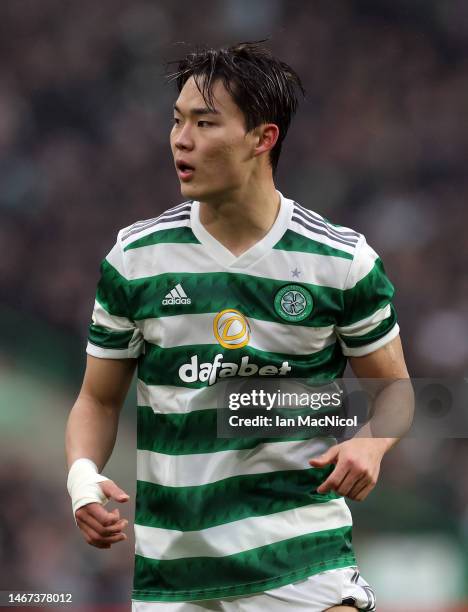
<point>190,99</point>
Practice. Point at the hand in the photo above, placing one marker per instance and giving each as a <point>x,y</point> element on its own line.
<point>357,466</point>
<point>100,527</point>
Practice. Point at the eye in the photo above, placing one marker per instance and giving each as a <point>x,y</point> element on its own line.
<point>204,124</point>
<point>176,121</point>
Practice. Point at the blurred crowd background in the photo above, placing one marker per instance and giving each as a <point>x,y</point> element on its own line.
<point>380,144</point>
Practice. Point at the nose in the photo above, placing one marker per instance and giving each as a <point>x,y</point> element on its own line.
<point>183,140</point>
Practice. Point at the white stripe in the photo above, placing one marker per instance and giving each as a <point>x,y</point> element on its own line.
<point>341,229</point>
<point>174,293</point>
<point>132,352</point>
<point>168,295</point>
<point>364,326</point>
<point>181,291</point>
<point>202,468</point>
<point>146,222</point>
<point>113,323</point>
<point>363,262</point>
<point>115,259</point>
<point>103,318</point>
<point>242,535</point>
<point>182,330</point>
<point>360,351</point>
<point>156,228</point>
<point>321,227</point>
<point>315,269</point>
<point>172,399</point>
<point>168,399</point>
<point>300,229</point>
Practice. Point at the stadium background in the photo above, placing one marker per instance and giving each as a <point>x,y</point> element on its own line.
<point>379,144</point>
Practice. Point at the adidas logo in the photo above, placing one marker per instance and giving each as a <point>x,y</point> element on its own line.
<point>176,296</point>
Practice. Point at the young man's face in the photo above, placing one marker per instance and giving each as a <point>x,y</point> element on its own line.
<point>212,151</point>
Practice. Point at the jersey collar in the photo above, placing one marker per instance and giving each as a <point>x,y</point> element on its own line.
<point>255,252</point>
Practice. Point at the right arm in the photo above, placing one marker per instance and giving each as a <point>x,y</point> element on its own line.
<point>94,419</point>
<point>91,433</point>
<point>115,343</point>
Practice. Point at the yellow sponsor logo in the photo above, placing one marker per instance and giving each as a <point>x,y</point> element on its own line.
<point>231,329</point>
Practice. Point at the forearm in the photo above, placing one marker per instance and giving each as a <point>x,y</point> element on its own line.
<point>392,414</point>
<point>385,443</point>
<point>91,431</point>
<point>384,376</point>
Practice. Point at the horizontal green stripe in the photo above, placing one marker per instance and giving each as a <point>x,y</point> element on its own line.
<point>228,500</point>
<point>253,296</point>
<point>184,434</point>
<point>379,332</point>
<point>196,432</point>
<point>160,366</point>
<point>175,235</point>
<point>211,292</point>
<point>292,241</point>
<point>112,291</point>
<point>252,571</point>
<point>372,292</point>
<point>101,336</point>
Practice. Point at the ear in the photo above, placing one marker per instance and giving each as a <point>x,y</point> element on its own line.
<point>266,137</point>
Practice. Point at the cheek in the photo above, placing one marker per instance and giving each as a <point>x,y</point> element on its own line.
<point>227,153</point>
<point>172,139</point>
<point>221,155</point>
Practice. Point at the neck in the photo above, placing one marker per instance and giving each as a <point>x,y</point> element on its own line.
<point>241,219</point>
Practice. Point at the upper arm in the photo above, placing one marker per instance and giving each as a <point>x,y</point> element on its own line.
<point>114,341</point>
<point>367,326</point>
<point>386,362</point>
<point>107,380</point>
<point>113,333</point>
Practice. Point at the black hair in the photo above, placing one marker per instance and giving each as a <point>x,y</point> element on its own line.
<point>263,87</point>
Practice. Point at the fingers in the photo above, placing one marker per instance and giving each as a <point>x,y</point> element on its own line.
<point>357,465</point>
<point>114,492</point>
<point>103,516</point>
<point>326,458</point>
<point>93,537</point>
<point>362,482</point>
<point>100,527</point>
<point>333,482</point>
<point>364,492</point>
<point>349,480</point>
<point>352,484</point>
<point>101,530</point>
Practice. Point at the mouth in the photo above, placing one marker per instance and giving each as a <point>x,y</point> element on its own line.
<point>184,170</point>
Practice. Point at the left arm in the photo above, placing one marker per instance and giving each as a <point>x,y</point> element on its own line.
<point>357,461</point>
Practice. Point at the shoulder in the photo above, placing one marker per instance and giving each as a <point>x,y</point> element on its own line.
<point>316,234</point>
<point>175,217</point>
<point>316,228</point>
<point>149,232</point>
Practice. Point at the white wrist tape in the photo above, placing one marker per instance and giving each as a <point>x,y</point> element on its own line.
<point>82,484</point>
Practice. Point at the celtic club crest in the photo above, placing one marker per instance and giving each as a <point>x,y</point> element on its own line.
<point>293,303</point>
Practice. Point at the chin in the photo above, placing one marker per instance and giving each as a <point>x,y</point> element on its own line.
<point>191,192</point>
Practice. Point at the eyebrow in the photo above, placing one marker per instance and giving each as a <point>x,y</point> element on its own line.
<point>199,111</point>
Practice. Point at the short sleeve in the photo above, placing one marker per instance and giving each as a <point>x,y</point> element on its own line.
<point>112,333</point>
<point>368,320</point>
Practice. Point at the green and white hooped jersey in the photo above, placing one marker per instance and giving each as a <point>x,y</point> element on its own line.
<point>224,517</point>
